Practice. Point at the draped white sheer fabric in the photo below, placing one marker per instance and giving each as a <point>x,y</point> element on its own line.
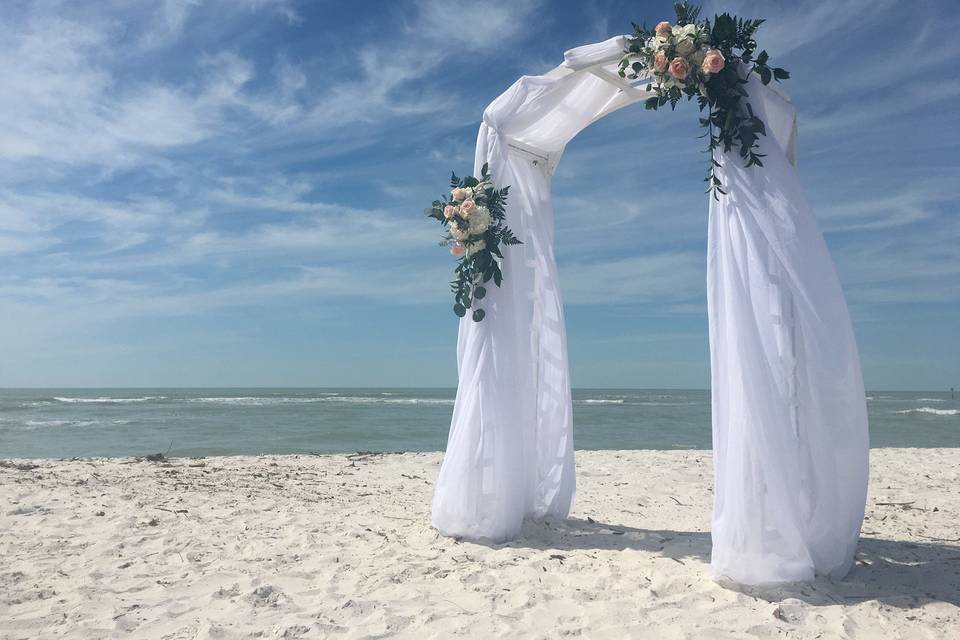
<point>789,410</point>
<point>789,414</point>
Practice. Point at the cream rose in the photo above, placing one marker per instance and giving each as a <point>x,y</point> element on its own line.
<point>686,31</point>
<point>459,194</point>
<point>697,58</point>
<point>663,29</point>
<point>457,233</point>
<point>679,68</point>
<point>660,61</point>
<point>713,61</point>
<point>480,220</point>
<point>686,46</point>
<point>468,207</point>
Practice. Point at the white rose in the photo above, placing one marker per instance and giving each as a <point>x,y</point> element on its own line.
<point>686,46</point>
<point>686,31</point>
<point>480,220</point>
<point>457,233</point>
<point>697,57</point>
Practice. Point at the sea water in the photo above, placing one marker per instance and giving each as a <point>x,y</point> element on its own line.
<point>64,423</point>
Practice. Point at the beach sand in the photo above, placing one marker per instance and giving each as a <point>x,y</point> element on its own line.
<point>341,546</point>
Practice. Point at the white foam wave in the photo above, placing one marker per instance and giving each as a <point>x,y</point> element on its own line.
<point>930,400</point>
<point>105,400</point>
<point>633,403</point>
<point>931,410</point>
<point>389,400</point>
<point>257,401</point>
<point>61,423</point>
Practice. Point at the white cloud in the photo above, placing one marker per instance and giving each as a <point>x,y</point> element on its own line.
<point>912,204</point>
<point>793,25</point>
<point>66,100</point>
<point>656,279</point>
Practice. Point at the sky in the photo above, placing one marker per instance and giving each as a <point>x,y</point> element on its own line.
<point>231,192</point>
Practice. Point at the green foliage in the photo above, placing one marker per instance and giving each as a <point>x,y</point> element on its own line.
<point>686,13</point>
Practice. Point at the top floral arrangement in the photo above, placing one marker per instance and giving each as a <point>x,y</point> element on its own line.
<point>708,61</point>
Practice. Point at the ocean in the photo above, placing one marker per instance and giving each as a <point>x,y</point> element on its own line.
<point>66,423</point>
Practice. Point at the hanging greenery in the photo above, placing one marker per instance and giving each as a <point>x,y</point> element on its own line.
<point>709,60</point>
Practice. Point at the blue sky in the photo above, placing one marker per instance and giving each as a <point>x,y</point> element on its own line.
<point>230,192</point>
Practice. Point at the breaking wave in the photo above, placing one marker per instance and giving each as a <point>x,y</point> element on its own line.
<point>932,411</point>
<point>105,400</point>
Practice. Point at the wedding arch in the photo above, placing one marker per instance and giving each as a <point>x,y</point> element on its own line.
<point>789,414</point>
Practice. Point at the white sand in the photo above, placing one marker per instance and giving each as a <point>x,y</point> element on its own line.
<point>305,546</point>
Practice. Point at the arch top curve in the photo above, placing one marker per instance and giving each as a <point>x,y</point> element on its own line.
<point>541,114</point>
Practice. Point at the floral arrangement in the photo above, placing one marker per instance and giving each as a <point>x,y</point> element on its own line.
<point>709,61</point>
<point>474,217</point>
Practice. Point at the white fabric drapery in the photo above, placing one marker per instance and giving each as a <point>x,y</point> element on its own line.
<point>789,410</point>
<point>789,413</point>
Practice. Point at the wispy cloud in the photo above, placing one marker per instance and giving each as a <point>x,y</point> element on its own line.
<point>197,160</point>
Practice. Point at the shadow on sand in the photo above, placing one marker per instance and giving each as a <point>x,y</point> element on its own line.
<point>896,572</point>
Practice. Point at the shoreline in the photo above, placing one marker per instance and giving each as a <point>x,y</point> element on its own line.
<point>170,458</point>
<point>340,545</point>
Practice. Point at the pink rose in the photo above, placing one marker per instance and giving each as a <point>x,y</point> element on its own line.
<point>679,68</point>
<point>660,61</point>
<point>459,194</point>
<point>713,62</point>
<point>457,250</point>
<point>468,207</point>
<point>449,212</point>
<point>663,29</point>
